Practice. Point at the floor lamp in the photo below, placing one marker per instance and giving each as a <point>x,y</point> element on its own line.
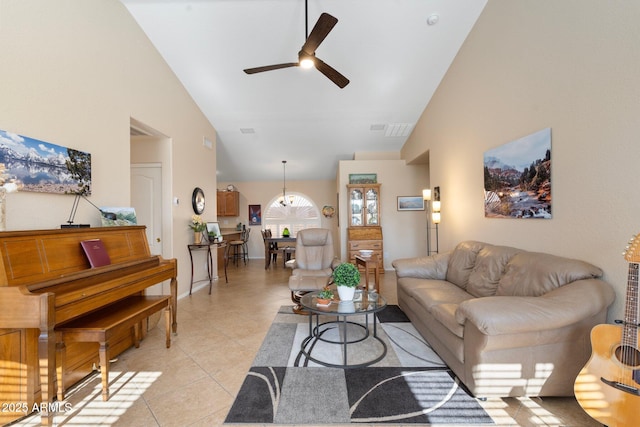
<point>435,217</point>
<point>426,196</point>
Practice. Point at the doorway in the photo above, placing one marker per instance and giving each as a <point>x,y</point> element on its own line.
<point>150,190</point>
<point>146,199</point>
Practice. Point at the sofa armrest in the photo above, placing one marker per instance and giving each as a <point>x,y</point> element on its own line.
<point>563,306</point>
<point>429,267</point>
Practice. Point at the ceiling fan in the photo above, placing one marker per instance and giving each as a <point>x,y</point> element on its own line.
<point>307,56</point>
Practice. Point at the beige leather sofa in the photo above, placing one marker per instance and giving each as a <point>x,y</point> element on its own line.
<point>506,321</point>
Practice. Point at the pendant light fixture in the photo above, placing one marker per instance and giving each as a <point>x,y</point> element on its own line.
<point>285,201</point>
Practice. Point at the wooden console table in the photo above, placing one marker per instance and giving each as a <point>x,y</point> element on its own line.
<point>207,246</point>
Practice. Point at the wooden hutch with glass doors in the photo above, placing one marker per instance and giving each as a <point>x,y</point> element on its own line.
<point>365,228</point>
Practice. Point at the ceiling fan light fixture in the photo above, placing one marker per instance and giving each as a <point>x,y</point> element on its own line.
<point>306,60</point>
<point>306,63</point>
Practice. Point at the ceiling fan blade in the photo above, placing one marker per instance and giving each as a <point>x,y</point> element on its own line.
<point>331,73</point>
<point>324,25</point>
<point>270,67</point>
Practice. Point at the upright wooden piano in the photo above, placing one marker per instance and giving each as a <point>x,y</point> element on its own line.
<point>45,280</point>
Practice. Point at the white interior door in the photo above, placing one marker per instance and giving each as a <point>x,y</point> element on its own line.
<point>146,198</point>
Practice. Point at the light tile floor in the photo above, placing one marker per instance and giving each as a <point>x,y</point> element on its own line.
<point>195,381</point>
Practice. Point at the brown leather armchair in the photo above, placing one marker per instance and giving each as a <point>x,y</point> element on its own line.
<point>313,264</point>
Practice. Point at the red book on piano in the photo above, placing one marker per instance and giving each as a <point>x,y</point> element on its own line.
<point>96,253</point>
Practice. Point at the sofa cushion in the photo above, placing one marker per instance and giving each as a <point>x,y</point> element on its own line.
<point>408,284</point>
<point>461,262</point>
<point>534,274</point>
<point>489,268</point>
<point>429,293</point>
<point>446,314</point>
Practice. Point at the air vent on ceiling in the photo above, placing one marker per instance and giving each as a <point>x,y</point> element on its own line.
<point>399,129</point>
<point>247,130</point>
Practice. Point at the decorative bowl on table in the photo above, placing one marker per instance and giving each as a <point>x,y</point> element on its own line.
<point>365,252</point>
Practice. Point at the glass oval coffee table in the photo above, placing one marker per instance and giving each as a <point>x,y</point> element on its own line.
<point>345,324</point>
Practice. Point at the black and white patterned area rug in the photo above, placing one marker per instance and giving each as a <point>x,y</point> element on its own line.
<point>410,385</point>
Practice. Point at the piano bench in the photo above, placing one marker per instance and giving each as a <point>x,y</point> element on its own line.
<point>100,326</point>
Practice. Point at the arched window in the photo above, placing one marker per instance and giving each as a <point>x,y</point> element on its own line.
<point>299,213</point>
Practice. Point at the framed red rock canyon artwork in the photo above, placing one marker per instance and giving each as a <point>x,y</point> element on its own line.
<point>517,178</point>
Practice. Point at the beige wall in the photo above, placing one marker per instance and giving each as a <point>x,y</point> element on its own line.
<point>569,65</point>
<point>74,73</point>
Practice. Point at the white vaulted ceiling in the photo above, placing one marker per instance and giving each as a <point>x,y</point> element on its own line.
<point>392,56</point>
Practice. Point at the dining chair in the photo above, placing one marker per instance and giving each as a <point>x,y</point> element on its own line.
<point>273,249</point>
<point>239,248</point>
<point>245,244</point>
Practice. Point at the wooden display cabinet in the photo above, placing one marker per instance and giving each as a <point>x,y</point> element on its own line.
<point>228,203</point>
<point>364,205</point>
<point>365,238</point>
<point>365,228</point>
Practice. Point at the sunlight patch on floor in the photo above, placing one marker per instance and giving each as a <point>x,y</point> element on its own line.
<point>85,404</point>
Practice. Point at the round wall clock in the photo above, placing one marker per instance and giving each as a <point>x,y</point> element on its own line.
<point>197,200</point>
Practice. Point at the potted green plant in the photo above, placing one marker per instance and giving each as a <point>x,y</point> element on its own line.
<point>324,297</point>
<point>346,276</point>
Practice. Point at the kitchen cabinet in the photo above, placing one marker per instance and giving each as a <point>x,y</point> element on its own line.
<point>228,203</point>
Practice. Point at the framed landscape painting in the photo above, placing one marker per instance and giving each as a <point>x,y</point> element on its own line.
<point>410,203</point>
<point>517,178</point>
<point>363,178</point>
<point>44,167</point>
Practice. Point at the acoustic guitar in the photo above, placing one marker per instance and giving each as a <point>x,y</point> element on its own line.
<point>608,387</point>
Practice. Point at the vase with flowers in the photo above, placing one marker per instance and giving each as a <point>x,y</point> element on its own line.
<point>198,226</point>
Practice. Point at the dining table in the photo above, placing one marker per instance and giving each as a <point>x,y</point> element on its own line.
<point>279,242</point>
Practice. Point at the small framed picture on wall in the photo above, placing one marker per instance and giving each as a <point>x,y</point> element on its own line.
<point>410,203</point>
<point>255,215</point>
